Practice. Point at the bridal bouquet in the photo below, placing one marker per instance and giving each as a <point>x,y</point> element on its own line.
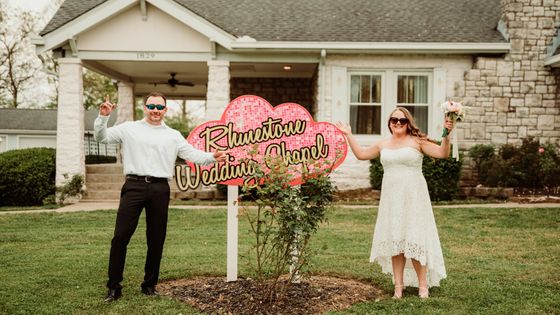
<point>455,112</point>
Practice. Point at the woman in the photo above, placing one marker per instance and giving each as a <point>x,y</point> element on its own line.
<point>405,237</point>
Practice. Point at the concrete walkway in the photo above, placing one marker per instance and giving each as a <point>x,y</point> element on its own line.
<point>93,206</point>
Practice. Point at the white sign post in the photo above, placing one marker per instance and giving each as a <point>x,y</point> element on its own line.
<point>232,228</point>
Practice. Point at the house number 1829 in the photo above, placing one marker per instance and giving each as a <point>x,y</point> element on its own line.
<point>145,55</point>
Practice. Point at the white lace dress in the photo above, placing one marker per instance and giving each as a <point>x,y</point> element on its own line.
<point>405,220</point>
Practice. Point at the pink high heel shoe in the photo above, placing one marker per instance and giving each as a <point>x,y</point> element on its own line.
<point>398,296</point>
<point>423,292</point>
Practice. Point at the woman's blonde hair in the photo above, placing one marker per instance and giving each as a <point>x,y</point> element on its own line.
<point>411,127</point>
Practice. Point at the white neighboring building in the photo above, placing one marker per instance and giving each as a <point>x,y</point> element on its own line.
<point>34,128</point>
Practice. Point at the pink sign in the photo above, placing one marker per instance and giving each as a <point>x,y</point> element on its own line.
<point>287,130</point>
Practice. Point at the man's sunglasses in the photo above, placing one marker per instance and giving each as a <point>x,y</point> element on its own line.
<point>395,120</point>
<point>153,106</point>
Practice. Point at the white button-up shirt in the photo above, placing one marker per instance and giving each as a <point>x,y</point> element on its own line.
<point>149,150</point>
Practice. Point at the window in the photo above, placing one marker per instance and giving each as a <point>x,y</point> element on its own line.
<point>412,94</point>
<point>370,107</point>
<point>365,104</point>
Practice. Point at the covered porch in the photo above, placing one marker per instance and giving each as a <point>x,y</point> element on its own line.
<point>150,46</point>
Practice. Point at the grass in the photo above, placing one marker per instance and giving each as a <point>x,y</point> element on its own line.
<point>499,261</point>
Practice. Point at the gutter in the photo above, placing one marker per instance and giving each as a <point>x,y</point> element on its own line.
<point>27,132</point>
<point>368,47</point>
<point>553,61</point>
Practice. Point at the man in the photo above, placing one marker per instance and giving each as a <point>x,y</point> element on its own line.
<point>149,151</point>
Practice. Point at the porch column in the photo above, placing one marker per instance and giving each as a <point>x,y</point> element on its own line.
<point>217,96</point>
<point>125,111</point>
<point>70,157</point>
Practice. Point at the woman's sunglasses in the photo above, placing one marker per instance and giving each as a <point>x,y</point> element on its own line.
<point>395,120</point>
<point>153,106</point>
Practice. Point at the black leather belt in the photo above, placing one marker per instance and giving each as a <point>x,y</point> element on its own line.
<point>147,179</point>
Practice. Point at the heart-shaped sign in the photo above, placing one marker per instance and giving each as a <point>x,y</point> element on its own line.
<point>250,122</point>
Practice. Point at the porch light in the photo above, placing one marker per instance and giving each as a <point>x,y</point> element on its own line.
<point>287,67</point>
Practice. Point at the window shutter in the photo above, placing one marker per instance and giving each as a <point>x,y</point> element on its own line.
<point>440,79</point>
<point>340,110</point>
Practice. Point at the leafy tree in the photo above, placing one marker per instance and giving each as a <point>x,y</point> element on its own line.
<point>182,123</point>
<point>17,69</point>
<point>25,78</point>
<point>50,68</point>
<point>96,86</point>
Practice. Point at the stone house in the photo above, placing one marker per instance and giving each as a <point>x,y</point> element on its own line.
<point>343,60</point>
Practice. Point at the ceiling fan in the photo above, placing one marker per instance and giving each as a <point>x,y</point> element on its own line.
<point>173,82</point>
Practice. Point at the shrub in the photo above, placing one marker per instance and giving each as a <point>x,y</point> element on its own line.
<point>283,222</point>
<point>27,176</point>
<point>549,165</point>
<point>442,176</point>
<point>49,200</point>
<point>375,174</point>
<point>528,166</point>
<point>481,153</point>
<point>72,188</point>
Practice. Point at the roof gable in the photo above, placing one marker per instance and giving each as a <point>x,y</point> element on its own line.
<point>76,17</point>
<point>164,32</point>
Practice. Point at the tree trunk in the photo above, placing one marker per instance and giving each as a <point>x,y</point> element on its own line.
<point>14,98</point>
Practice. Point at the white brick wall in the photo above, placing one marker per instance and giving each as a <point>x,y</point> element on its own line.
<point>217,97</point>
<point>70,157</point>
<point>126,102</point>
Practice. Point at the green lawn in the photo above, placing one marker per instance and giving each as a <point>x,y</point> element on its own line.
<point>499,261</point>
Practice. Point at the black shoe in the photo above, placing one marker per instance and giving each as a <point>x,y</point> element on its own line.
<point>150,290</point>
<point>113,295</point>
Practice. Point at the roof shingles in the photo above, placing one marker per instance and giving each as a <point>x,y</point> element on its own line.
<point>41,119</point>
<point>337,21</point>
<point>68,11</point>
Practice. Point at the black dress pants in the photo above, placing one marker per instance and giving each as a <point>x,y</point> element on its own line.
<point>136,195</point>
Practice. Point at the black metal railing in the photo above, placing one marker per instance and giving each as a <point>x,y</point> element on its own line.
<point>99,152</point>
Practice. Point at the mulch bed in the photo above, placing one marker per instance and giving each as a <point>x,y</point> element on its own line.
<point>317,295</point>
<point>535,199</point>
<point>361,194</point>
<point>521,195</point>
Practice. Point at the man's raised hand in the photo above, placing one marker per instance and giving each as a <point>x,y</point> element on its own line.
<point>106,107</point>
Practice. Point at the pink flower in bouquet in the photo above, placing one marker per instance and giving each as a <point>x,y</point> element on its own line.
<point>454,111</point>
<point>454,107</point>
<point>541,150</point>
